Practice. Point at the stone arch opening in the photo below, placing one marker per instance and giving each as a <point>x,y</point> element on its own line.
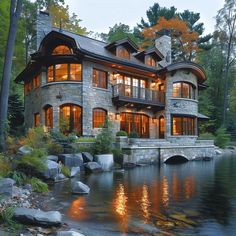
<point>176,159</point>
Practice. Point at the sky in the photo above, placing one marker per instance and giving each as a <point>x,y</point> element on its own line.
<point>99,15</point>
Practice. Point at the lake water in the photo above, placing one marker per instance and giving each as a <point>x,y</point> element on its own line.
<point>194,198</point>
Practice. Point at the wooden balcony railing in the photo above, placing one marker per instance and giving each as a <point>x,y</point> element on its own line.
<point>138,93</point>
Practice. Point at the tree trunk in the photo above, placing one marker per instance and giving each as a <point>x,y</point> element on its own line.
<point>15,10</point>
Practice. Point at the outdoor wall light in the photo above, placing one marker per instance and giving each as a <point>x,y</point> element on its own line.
<point>117,116</point>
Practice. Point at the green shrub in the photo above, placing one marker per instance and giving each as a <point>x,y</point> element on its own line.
<point>222,138</point>
<point>104,140</point>
<point>38,185</point>
<point>86,139</point>
<point>37,138</point>
<point>121,133</point>
<point>133,134</point>
<point>118,155</point>
<point>54,149</point>
<point>65,171</point>
<point>5,165</point>
<point>206,136</point>
<point>6,218</point>
<point>18,176</point>
<point>32,164</point>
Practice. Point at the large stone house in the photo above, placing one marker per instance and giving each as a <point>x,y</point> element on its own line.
<point>77,81</point>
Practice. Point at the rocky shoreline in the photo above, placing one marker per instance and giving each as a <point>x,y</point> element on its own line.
<point>32,210</point>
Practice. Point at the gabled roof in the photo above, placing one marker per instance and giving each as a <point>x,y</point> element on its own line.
<point>151,51</point>
<point>126,42</point>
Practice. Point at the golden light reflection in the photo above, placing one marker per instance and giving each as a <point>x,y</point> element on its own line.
<point>77,210</point>
<point>165,191</point>
<point>120,207</point>
<point>145,203</point>
<point>189,187</point>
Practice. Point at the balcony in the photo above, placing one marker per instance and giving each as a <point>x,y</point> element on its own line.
<point>127,95</point>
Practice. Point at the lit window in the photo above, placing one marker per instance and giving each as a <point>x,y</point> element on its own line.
<point>36,81</point>
<point>150,61</point>
<point>63,72</point>
<point>122,52</point>
<point>183,90</point>
<point>36,119</point>
<point>99,78</point>
<point>61,49</point>
<point>99,117</point>
<point>182,125</point>
<point>49,117</point>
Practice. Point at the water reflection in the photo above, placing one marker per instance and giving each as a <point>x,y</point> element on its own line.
<point>170,197</point>
<point>77,210</point>
<point>120,207</point>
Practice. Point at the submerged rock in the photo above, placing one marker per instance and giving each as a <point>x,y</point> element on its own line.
<point>93,167</point>
<point>71,232</point>
<point>38,217</point>
<point>71,160</point>
<point>7,187</point>
<point>60,177</point>
<point>79,187</point>
<point>106,161</point>
<point>87,157</point>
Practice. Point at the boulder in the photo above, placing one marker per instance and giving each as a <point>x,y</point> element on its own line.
<point>75,171</point>
<point>79,187</point>
<point>71,232</point>
<point>106,161</point>
<point>87,157</point>
<point>93,167</point>
<point>52,158</point>
<point>71,160</point>
<point>53,169</point>
<point>24,150</point>
<point>37,217</point>
<point>60,177</point>
<point>7,187</point>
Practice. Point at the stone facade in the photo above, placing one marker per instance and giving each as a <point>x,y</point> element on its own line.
<point>84,94</point>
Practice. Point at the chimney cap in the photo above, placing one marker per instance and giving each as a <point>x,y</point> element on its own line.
<point>44,13</point>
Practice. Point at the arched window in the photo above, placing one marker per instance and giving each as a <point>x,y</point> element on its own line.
<point>99,117</point>
<point>36,119</point>
<point>71,119</point>
<point>123,52</point>
<point>48,116</point>
<point>183,90</point>
<point>61,49</point>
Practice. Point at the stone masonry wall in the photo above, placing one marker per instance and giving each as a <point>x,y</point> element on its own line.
<point>181,106</point>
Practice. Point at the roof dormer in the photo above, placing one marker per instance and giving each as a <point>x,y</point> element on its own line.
<point>122,48</point>
<point>150,57</point>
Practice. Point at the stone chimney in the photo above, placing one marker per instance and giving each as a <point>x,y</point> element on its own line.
<point>43,26</point>
<point>163,44</point>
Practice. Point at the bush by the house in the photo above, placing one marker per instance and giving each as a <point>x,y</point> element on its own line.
<point>121,133</point>
<point>222,138</point>
<point>38,185</point>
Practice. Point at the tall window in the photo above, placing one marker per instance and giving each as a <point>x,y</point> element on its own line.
<point>48,116</point>
<point>150,61</point>
<point>63,72</point>
<point>133,122</point>
<point>183,90</point>
<point>161,127</point>
<point>61,49</point>
<point>71,119</point>
<point>99,117</point>
<point>123,52</point>
<point>99,78</point>
<point>183,125</point>
<point>36,81</point>
<point>36,119</point>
